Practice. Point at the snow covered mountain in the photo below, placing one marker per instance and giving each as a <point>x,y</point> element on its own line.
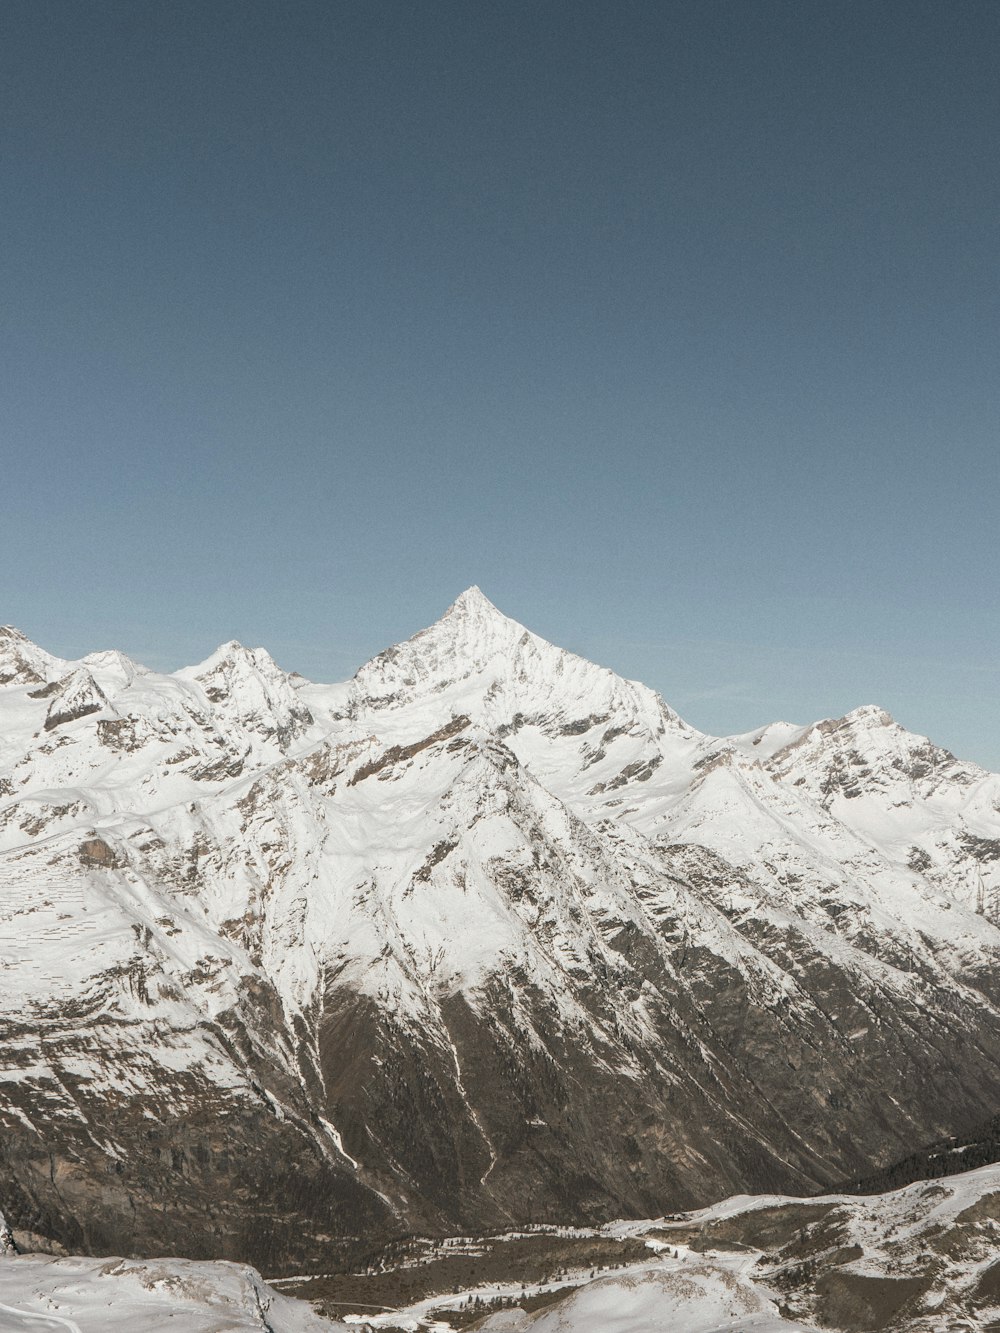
<point>485,935</point>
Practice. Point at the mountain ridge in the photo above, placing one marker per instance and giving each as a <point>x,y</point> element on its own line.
<point>484,934</point>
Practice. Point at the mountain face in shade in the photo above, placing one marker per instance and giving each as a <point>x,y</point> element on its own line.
<point>486,935</point>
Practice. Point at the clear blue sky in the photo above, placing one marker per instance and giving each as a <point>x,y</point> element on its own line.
<point>672,324</point>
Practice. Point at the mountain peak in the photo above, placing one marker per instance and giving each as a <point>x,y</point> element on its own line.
<point>23,662</point>
<point>233,651</point>
<point>473,596</point>
<point>230,657</point>
<point>869,715</point>
<point>248,685</point>
<point>474,604</point>
<point>472,630</point>
<point>77,695</point>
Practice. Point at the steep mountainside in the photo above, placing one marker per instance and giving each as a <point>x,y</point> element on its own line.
<point>485,935</point>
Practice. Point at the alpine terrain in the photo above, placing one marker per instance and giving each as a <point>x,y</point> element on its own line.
<point>485,936</point>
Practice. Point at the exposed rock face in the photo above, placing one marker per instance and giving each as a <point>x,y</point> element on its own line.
<point>486,935</point>
<point>75,696</point>
<point>21,661</point>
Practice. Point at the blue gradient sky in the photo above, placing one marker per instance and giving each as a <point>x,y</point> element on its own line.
<point>673,325</point>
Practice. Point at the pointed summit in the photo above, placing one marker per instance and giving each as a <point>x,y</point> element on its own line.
<point>23,662</point>
<point>247,686</point>
<point>232,659</point>
<point>478,663</point>
<point>473,622</point>
<point>471,637</point>
<point>473,601</point>
<point>78,694</point>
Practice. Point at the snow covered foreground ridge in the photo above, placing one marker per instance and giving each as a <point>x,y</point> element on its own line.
<point>42,1294</point>
<point>485,935</point>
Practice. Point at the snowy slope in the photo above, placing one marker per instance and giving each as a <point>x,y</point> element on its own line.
<point>920,1259</point>
<point>486,933</point>
<point>696,1295</point>
<point>38,1293</point>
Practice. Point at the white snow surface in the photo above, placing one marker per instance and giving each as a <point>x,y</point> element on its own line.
<point>40,1293</point>
<point>691,1293</point>
<point>676,1296</point>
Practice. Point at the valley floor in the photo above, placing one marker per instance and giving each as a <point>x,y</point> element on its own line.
<point>923,1259</point>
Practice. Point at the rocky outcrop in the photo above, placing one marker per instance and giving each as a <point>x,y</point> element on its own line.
<point>76,695</point>
<point>21,661</point>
